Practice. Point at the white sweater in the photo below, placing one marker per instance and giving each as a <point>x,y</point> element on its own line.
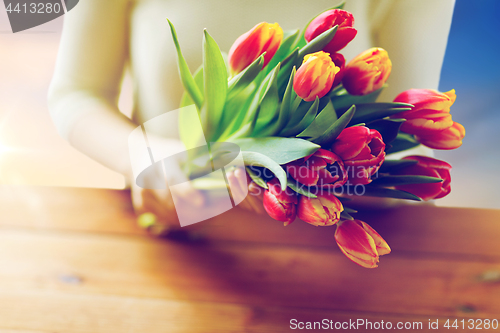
<point>102,39</point>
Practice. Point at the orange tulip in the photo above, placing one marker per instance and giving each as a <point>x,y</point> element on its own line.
<point>360,243</point>
<point>315,76</point>
<point>321,211</point>
<point>367,72</point>
<point>430,112</point>
<point>264,37</point>
<point>430,119</point>
<point>450,138</point>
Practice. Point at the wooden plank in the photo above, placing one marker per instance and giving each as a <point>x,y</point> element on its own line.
<point>244,273</point>
<point>425,229</point>
<point>20,331</point>
<point>64,208</point>
<point>56,312</point>
<point>417,228</point>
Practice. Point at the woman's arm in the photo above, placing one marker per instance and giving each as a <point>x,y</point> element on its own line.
<point>86,84</point>
<point>84,92</point>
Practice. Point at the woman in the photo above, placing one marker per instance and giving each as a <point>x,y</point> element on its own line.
<point>102,40</point>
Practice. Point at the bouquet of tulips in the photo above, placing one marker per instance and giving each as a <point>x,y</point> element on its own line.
<point>309,127</point>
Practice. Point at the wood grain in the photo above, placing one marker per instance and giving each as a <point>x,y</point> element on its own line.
<point>256,274</point>
<point>72,260</point>
<point>103,314</point>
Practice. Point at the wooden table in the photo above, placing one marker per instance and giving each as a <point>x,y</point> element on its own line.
<point>73,260</point>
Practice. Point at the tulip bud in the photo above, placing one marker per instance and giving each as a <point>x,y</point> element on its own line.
<point>427,166</point>
<point>450,138</point>
<point>360,243</point>
<point>321,211</point>
<point>323,168</point>
<point>430,119</point>
<point>430,112</point>
<point>264,37</point>
<point>367,72</point>
<point>280,205</point>
<point>315,76</point>
<point>362,150</point>
<point>345,32</point>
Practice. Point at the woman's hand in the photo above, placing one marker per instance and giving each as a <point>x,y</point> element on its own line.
<point>238,180</point>
<point>159,203</point>
<point>190,204</point>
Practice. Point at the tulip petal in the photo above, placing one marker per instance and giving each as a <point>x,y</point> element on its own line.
<point>449,138</point>
<point>356,243</point>
<point>324,210</point>
<point>367,72</point>
<point>427,166</point>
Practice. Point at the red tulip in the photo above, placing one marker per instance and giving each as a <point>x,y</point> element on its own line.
<point>362,150</point>
<point>427,166</point>
<point>280,205</point>
<point>264,37</point>
<point>360,243</point>
<point>315,76</point>
<point>321,168</point>
<point>345,32</point>
<point>321,211</point>
<point>339,61</point>
<point>367,72</point>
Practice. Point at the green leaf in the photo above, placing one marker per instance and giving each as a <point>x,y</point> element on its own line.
<point>298,111</point>
<point>268,109</point>
<point>350,210</point>
<point>235,112</point>
<point>300,189</point>
<point>388,128</point>
<point>317,44</point>
<point>184,72</point>
<point>338,126</point>
<point>245,77</point>
<point>251,113</point>
<point>373,191</point>
<point>305,122</point>
<point>215,77</point>
<point>394,180</point>
<point>198,79</point>
<point>342,100</point>
<point>393,165</point>
<point>286,47</point>
<point>402,142</point>
<point>321,123</point>
<point>346,216</point>
<point>252,158</point>
<point>286,68</point>
<point>281,150</point>
<point>255,177</point>
<point>367,112</point>
<point>286,107</point>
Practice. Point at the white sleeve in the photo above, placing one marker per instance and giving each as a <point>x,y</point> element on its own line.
<point>84,90</point>
<point>414,33</point>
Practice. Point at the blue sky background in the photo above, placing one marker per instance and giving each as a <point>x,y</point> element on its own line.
<point>472,67</point>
